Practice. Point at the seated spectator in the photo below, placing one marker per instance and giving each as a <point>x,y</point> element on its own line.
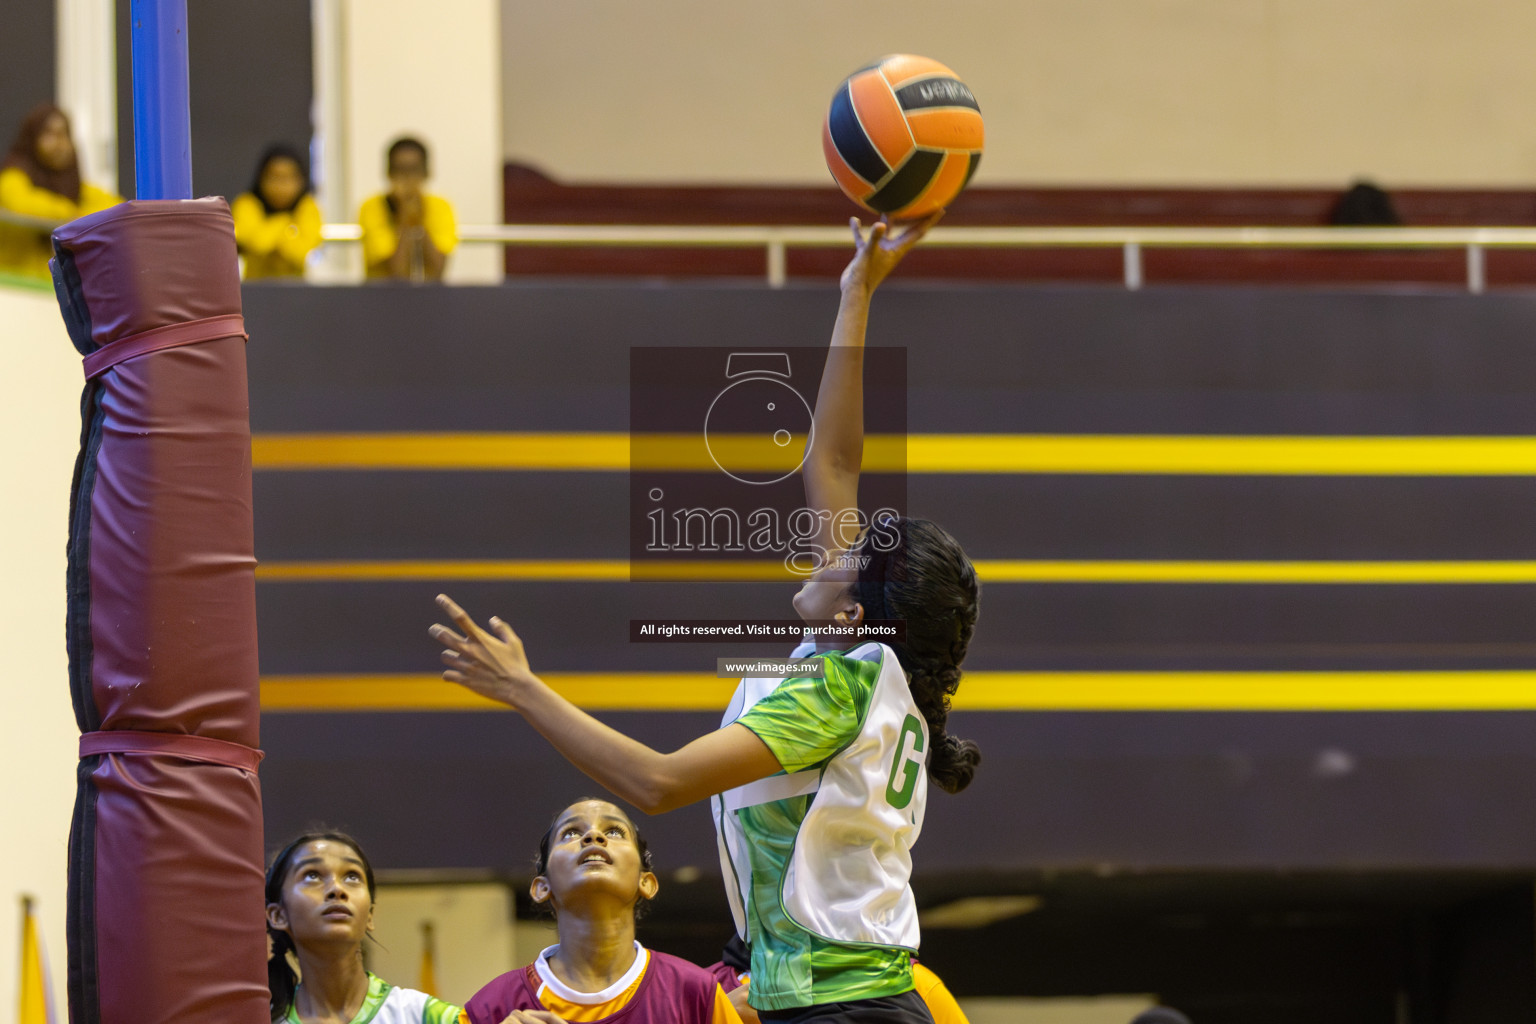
<point>407,234</point>
<point>1364,205</point>
<point>277,223</point>
<point>40,178</point>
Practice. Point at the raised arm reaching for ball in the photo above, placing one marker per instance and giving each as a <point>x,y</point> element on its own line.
<point>790,751</point>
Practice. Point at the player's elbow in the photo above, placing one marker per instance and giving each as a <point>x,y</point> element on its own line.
<point>831,469</point>
<point>654,797</point>
<point>666,802</point>
<point>659,791</point>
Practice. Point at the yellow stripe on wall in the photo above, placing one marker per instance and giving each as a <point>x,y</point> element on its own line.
<point>1224,455</point>
<point>1513,690</point>
<point>998,571</point>
<point>1320,572</point>
<point>541,451</point>
<point>403,571</point>
<point>530,451</point>
<point>632,691</point>
<point>923,453</point>
<point>1247,691</point>
<point>526,570</point>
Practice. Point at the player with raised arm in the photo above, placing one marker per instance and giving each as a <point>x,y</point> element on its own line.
<point>821,782</point>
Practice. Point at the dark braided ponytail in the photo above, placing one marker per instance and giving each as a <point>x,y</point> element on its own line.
<point>282,979</point>
<point>927,581</point>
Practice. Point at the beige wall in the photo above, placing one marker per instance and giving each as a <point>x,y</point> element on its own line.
<point>40,422</point>
<point>474,934</point>
<point>1288,92</point>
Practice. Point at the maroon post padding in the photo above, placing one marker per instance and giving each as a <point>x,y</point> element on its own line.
<point>166,908</point>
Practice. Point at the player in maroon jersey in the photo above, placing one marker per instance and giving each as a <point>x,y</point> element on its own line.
<point>595,874</point>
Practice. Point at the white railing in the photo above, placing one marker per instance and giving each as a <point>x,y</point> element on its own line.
<point>775,241</point>
<point>1130,241</point>
<point>22,220</point>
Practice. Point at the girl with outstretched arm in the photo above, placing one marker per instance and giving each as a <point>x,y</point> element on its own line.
<point>819,784</point>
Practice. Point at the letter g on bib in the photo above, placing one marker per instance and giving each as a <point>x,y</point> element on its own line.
<point>908,762</point>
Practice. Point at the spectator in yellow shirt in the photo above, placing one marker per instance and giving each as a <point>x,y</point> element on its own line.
<point>407,234</point>
<point>277,223</point>
<point>40,179</point>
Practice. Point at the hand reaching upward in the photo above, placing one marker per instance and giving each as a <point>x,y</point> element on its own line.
<point>878,251</point>
<point>489,662</point>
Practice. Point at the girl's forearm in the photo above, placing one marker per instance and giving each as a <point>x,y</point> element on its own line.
<point>839,417</point>
<point>652,781</point>
<point>493,664</point>
<point>623,766</point>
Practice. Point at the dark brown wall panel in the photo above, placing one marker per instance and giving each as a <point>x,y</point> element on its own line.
<point>27,70</point>
<point>1160,790</point>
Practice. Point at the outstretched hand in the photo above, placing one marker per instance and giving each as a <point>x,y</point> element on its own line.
<point>877,251</point>
<point>489,662</point>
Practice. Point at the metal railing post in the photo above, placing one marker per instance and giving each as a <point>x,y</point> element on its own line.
<point>777,272</point>
<point>1132,251</point>
<point>1477,271</point>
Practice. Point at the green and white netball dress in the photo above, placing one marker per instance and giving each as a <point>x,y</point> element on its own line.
<point>817,858</point>
<point>387,1004</point>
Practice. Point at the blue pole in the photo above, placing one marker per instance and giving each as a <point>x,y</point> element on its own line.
<point>162,113</point>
